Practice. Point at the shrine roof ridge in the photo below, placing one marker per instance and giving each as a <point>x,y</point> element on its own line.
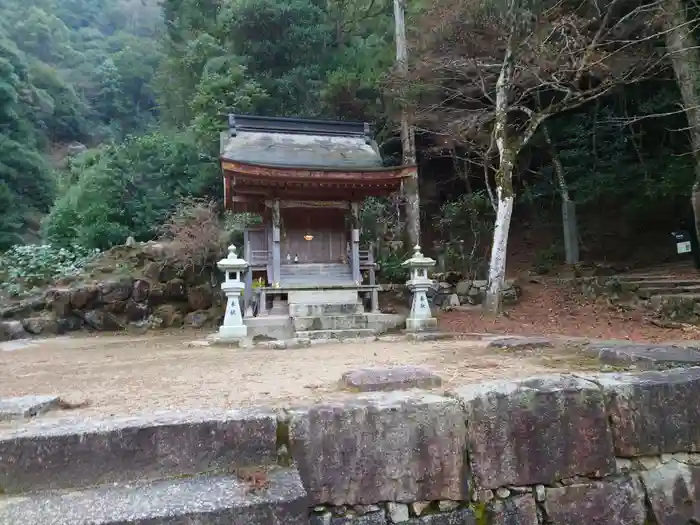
<point>298,125</point>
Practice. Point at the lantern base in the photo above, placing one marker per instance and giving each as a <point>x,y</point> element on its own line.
<point>233,332</point>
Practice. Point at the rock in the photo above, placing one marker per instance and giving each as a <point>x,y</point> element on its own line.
<point>18,311</point>
<point>653,412</point>
<point>398,446</point>
<point>197,319</point>
<point>169,315</point>
<point>175,290</point>
<point>69,324</point>
<point>156,295</point>
<point>374,518</point>
<point>115,291</point>
<point>391,378</point>
<point>26,406</point>
<point>11,330</point>
<point>117,307</point>
<point>540,492</point>
<point>82,297</point>
<point>520,343</point>
<point>458,517</point>
<point>447,505</point>
<point>75,148</point>
<point>398,512</point>
<point>521,510</point>
<point>452,300</point>
<point>136,311</point>
<point>419,507</point>
<point>673,490</point>
<point>130,242</point>
<point>463,287</point>
<point>40,325</point>
<point>151,271</point>
<point>619,502</point>
<point>200,297</point>
<point>647,357</point>
<point>101,320</point>
<point>140,290</point>
<point>536,431</point>
<point>502,493</point>
<point>58,301</point>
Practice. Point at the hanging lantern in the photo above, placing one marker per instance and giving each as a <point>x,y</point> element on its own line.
<point>308,237</point>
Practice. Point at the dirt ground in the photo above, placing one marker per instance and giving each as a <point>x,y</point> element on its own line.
<point>126,375</point>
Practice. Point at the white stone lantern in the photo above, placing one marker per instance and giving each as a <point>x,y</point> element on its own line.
<point>420,318</point>
<point>233,328</point>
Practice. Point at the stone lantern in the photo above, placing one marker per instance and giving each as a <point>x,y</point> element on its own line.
<point>420,318</point>
<point>232,266</point>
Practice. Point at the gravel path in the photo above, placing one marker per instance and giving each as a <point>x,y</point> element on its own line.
<point>127,375</point>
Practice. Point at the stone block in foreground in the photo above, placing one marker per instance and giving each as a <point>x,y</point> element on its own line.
<point>619,502</point>
<point>520,510</point>
<point>200,501</point>
<point>77,453</point>
<point>673,490</point>
<point>390,378</point>
<point>398,446</point>
<point>26,406</point>
<point>653,412</point>
<point>536,431</point>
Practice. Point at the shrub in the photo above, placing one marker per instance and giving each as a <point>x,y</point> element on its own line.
<point>195,234</point>
<point>25,267</point>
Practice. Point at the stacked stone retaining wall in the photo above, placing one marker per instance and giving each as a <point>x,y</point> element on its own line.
<point>604,449</point>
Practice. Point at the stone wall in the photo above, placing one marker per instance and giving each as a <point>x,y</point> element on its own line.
<point>603,449</point>
<point>559,450</point>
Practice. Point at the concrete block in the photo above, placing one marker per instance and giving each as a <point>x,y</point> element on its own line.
<point>400,446</point>
<point>534,431</point>
<point>76,453</point>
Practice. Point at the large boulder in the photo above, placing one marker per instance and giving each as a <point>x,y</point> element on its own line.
<point>41,325</point>
<point>536,431</point>
<point>101,320</point>
<point>83,296</point>
<point>400,447</point>
<point>175,290</point>
<point>11,330</point>
<point>200,297</point>
<point>139,293</point>
<point>520,510</point>
<point>653,412</point>
<point>58,301</point>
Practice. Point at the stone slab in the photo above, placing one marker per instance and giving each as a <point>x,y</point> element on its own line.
<point>458,517</point>
<point>618,502</point>
<point>390,378</point>
<point>520,343</point>
<point>200,500</point>
<point>520,510</point>
<point>398,446</point>
<point>536,431</point>
<point>27,406</point>
<point>653,412</point>
<point>647,357</point>
<point>66,453</point>
<point>673,489</point>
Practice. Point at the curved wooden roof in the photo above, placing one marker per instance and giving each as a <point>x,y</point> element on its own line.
<point>301,158</point>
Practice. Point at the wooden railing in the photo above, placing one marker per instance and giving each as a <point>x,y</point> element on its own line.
<point>259,257</point>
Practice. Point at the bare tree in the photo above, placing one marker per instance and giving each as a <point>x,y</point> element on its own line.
<point>497,69</point>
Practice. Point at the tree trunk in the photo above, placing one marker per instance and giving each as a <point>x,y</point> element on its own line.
<point>408,143</point>
<point>568,208</point>
<point>507,153</point>
<point>682,46</point>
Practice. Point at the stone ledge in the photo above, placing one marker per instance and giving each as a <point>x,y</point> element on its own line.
<point>391,378</point>
<point>69,453</point>
<point>27,406</point>
<point>200,500</point>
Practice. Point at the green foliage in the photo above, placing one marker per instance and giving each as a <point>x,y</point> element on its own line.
<point>25,267</point>
<point>129,189</point>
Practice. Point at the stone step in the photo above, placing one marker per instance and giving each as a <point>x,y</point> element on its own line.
<point>274,497</point>
<point>319,310</point>
<point>654,278</point>
<point>72,453</point>
<point>665,283</point>
<point>330,322</point>
<point>337,335</point>
<point>646,292</point>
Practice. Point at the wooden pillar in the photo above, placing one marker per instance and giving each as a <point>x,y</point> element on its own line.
<point>248,291</point>
<point>374,299</point>
<point>355,242</point>
<point>276,255</point>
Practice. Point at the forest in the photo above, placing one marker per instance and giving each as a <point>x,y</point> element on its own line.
<point>110,113</point>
